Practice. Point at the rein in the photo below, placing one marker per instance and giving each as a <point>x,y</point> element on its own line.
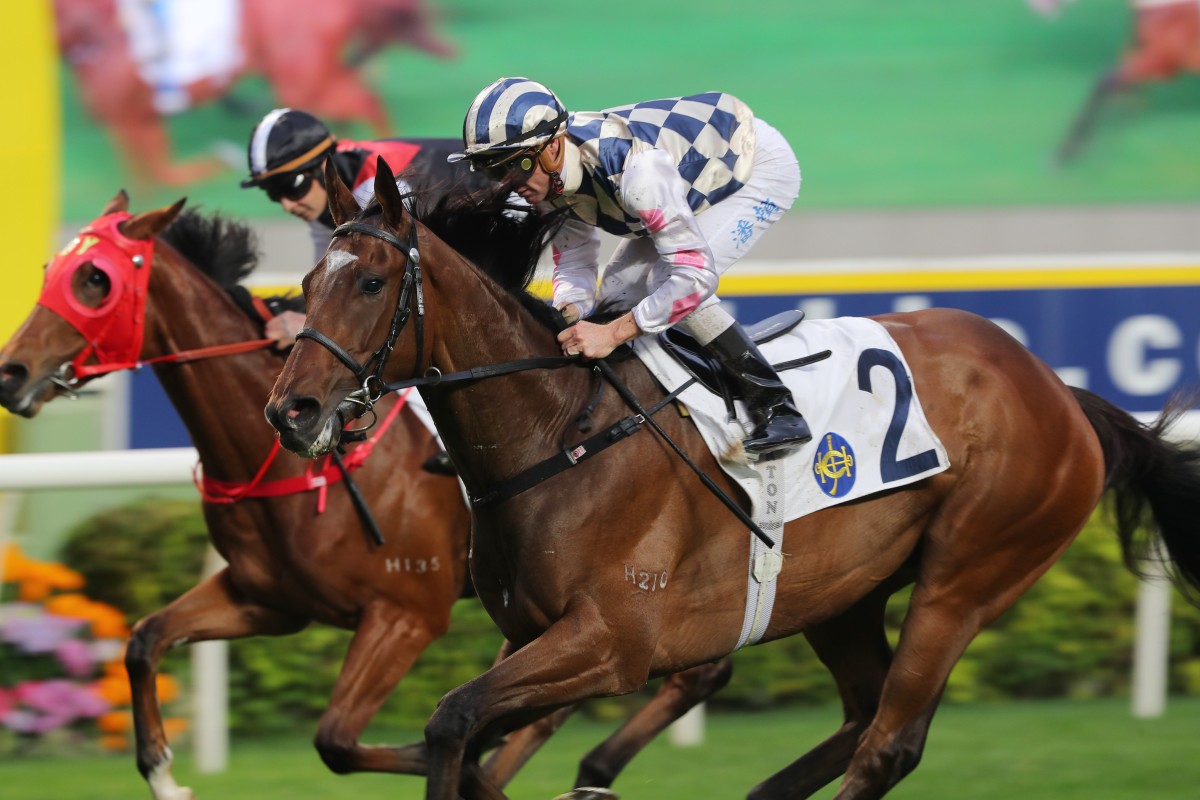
<point>373,387</point>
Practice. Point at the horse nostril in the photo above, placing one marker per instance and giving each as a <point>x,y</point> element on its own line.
<point>300,414</point>
<point>13,376</point>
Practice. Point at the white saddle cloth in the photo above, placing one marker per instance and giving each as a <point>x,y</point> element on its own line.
<point>869,432</point>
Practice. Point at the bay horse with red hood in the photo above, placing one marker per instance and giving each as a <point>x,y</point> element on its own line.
<point>160,288</point>
<point>1029,459</point>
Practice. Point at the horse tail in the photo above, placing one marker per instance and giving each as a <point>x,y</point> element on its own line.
<point>1155,484</point>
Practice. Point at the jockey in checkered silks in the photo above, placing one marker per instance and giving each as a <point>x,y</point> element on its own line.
<point>689,183</point>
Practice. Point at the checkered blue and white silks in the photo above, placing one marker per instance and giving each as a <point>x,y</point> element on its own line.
<point>504,110</point>
<point>710,137</point>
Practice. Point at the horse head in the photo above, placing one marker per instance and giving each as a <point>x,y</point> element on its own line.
<point>359,295</point>
<point>90,313</point>
<point>381,300</point>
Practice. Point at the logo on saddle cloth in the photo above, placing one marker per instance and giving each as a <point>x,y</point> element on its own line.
<point>833,465</point>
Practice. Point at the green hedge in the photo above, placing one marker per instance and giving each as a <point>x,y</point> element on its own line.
<point>1069,636</point>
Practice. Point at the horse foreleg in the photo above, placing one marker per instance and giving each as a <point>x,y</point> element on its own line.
<point>384,647</point>
<point>855,649</point>
<point>520,745</point>
<point>574,658</point>
<point>1085,121</point>
<point>678,694</point>
<point>207,612</point>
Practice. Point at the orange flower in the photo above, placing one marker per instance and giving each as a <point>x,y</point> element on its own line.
<point>174,727</point>
<point>32,590</point>
<point>114,741</point>
<point>167,687</point>
<point>114,722</point>
<point>113,689</point>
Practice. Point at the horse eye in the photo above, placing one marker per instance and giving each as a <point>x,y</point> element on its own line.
<point>371,285</point>
<point>97,278</point>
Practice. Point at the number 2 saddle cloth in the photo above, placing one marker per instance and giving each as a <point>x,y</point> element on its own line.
<point>869,432</point>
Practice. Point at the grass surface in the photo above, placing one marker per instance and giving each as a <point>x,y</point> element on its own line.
<point>920,103</point>
<point>1060,750</point>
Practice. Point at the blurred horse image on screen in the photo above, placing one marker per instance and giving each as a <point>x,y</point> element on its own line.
<point>1165,42</point>
<point>136,62</point>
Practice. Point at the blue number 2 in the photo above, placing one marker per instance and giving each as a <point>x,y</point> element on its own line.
<point>890,468</point>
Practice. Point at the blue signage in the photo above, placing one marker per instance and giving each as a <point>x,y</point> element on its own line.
<point>1131,345</point>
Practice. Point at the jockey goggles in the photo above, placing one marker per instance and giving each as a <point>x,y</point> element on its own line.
<point>508,167</point>
<point>288,187</point>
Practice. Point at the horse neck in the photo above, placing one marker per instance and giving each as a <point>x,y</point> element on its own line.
<point>219,399</point>
<point>496,426</point>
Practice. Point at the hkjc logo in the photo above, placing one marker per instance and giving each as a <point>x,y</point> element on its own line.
<point>833,465</point>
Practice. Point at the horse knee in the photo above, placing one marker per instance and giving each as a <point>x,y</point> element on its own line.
<point>451,724</point>
<point>140,651</point>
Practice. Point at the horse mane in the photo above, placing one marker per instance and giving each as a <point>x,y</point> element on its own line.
<point>222,249</point>
<point>503,240</point>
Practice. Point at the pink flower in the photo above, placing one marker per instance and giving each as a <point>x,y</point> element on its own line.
<point>76,658</point>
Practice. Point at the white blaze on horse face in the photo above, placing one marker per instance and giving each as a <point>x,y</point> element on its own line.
<point>337,259</point>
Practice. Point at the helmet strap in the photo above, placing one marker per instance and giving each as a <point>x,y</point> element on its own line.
<point>553,166</point>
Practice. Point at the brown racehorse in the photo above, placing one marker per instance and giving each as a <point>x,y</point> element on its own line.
<point>1165,42</point>
<point>301,55</point>
<point>288,564</point>
<point>1029,460</point>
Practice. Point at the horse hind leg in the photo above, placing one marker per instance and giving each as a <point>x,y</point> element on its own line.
<point>855,649</point>
<point>957,594</point>
<point>205,613</point>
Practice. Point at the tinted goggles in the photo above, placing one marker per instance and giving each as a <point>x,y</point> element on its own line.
<point>509,167</point>
<point>288,187</point>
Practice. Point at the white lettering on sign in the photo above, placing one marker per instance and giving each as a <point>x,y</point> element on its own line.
<point>418,566</point>
<point>646,580</point>
<point>1132,368</point>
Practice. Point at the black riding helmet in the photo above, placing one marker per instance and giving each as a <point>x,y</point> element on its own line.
<point>286,143</point>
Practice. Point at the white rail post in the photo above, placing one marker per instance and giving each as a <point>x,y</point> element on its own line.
<point>210,693</point>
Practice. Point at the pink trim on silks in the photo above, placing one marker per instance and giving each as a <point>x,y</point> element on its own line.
<point>688,258</point>
<point>556,254</point>
<point>653,219</point>
<point>681,308</point>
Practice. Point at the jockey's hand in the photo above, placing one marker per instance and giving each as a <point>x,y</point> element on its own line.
<point>596,341</point>
<point>570,313</point>
<point>283,328</point>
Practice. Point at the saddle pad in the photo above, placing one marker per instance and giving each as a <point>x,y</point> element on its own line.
<point>869,432</point>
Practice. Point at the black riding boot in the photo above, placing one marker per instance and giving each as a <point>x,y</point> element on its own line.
<point>777,422</point>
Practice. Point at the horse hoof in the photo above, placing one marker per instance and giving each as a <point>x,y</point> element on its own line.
<point>589,793</point>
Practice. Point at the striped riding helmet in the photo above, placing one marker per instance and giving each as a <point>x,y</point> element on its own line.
<point>510,114</point>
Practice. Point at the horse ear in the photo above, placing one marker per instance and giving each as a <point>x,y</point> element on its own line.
<point>151,223</point>
<point>120,202</point>
<point>342,205</point>
<point>387,193</point>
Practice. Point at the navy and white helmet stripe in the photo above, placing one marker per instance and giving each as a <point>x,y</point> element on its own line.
<point>504,111</point>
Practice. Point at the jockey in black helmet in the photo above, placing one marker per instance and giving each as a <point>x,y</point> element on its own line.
<point>287,154</point>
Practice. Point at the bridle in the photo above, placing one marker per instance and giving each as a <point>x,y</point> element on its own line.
<point>115,329</point>
<point>370,375</point>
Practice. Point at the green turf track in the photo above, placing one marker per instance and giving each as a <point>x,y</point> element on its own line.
<point>1034,751</point>
<point>888,103</point>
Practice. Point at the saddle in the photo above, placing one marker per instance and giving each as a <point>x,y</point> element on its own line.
<point>708,371</point>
